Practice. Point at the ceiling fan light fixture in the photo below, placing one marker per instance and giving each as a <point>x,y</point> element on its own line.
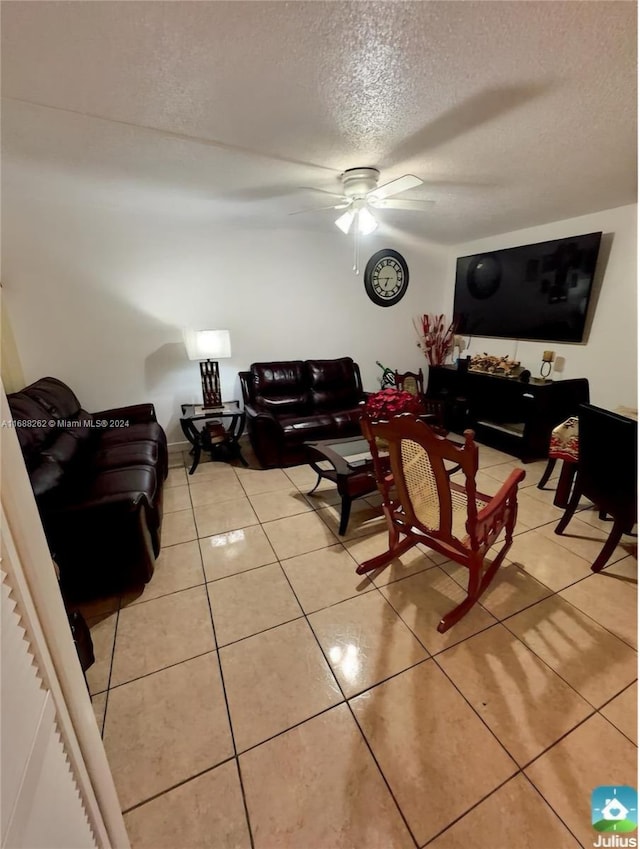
<point>345,221</point>
<point>366,222</point>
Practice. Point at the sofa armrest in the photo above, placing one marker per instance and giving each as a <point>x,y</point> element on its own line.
<point>121,502</point>
<point>266,435</point>
<point>134,414</point>
<point>263,421</point>
<point>245,385</point>
<point>253,412</point>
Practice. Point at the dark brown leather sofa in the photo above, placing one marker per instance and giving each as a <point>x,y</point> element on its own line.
<point>97,479</point>
<point>294,401</point>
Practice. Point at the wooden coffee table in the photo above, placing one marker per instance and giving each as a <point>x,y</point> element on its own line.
<point>348,464</point>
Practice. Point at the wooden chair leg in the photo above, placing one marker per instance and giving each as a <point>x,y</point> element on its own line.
<point>510,525</point>
<point>609,547</point>
<point>547,473</point>
<point>384,559</point>
<point>476,586</point>
<point>396,546</point>
<point>344,514</point>
<point>565,482</point>
<point>571,509</point>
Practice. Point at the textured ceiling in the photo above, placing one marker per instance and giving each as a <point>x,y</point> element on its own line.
<point>513,113</point>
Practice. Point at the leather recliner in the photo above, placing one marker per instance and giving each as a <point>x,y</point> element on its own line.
<point>291,402</point>
<point>97,479</point>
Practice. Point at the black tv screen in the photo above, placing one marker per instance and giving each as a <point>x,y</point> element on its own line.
<point>539,292</point>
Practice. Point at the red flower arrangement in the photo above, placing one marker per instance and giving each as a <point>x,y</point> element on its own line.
<point>435,338</point>
<point>392,402</point>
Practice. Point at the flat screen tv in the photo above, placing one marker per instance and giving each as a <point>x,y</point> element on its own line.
<point>539,292</point>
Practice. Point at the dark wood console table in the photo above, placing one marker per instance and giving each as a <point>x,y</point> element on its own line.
<point>512,416</point>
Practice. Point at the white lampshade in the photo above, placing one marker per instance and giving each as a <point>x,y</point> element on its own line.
<point>207,344</point>
<point>366,222</point>
<point>345,221</point>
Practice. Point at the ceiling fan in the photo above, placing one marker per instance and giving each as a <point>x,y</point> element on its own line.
<point>362,195</point>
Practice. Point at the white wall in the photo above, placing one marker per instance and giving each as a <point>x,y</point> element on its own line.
<point>99,282</point>
<point>98,293</point>
<point>608,357</point>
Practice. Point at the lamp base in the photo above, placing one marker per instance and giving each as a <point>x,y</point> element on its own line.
<point>211,396</point>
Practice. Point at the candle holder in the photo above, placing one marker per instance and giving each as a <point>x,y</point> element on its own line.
<point>547,362</point>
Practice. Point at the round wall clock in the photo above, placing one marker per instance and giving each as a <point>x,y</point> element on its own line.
<point>386,277</point>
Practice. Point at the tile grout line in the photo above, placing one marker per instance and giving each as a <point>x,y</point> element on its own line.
<point>113,652</point>
<point>497,623</point>
<point>226,703</point>
<point>591,713</point>
<point>160,793</point>
<point>492,793</point>
<point>607,703</point>
<point>624,689</point>
<point>473,807</point>
<point>346,701</point>
<point>502,621</point>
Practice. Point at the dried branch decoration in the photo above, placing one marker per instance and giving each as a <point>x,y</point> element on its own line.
<point>435,337</point>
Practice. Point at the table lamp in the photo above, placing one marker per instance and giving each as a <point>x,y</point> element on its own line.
<point>208,346</point>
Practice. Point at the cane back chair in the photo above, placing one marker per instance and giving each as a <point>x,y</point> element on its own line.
<point>410,381</point>
<point>433,408</point>
<point>423,505</point>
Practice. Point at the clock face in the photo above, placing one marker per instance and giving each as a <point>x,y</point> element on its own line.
<point>386,277</point>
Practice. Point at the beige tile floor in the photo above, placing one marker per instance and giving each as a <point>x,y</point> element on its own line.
<point>258,693</point>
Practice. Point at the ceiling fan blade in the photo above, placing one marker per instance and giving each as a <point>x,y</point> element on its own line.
<point>323,191</point>
<point>402,184</point>
<point>410,205</point>
<point>321,208</point>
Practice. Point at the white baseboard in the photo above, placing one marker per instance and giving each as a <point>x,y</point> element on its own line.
<point>178,447</point>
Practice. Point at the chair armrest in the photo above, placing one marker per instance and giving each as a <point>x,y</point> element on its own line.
<point>134,414</point>
<point>495,510</point>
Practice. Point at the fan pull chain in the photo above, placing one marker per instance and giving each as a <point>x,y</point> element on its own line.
<point>356,250</point>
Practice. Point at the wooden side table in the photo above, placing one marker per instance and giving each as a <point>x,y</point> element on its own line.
<point>196,423</point>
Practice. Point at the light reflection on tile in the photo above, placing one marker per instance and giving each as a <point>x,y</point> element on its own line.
<point>365,641</point>
<point>324,577</point>
<point>275,680</point>
<point>227,516</point>
<point>235,551</point>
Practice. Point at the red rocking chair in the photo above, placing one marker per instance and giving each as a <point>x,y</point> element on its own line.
<point>423,505</point>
